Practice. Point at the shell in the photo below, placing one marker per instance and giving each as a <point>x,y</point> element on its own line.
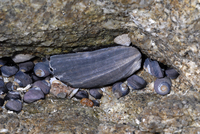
<point>120,89</point>
<point>22,79</point>
<point>87,102</point>
<point>96,93</point>
<point>12,95</point>
<point>171,73</point>
<point>8,71</point>
<point>41,69</point>
<point>97,68</point>
<point>123,40</point>
<point>14,105</point>
<point>26,66</point>
<point>33,95</point>
<point>162,86</point>
<point>81,94</point>
<point>44,85</point>
<point>136,82</point>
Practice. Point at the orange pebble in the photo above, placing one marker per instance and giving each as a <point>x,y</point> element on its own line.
<point>87,102</point>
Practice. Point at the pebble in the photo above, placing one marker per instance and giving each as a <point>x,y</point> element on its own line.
<point>87,102</point>
<point>14,105</point>
<point>33,94</point>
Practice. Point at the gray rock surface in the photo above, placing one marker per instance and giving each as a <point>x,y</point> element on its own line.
<point>167,31</point>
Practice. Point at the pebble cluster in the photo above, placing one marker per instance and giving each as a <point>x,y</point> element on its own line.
<point>25,78</point>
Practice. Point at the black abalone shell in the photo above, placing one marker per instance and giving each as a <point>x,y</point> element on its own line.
<point>96,68</point>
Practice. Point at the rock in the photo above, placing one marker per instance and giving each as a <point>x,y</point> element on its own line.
<point>96,68</point>
<point>75,26</point>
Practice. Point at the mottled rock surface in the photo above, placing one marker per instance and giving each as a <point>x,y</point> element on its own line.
<point>141,112</point>
<point>167,31</point>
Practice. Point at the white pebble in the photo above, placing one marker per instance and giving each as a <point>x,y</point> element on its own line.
<point>22,57</point>
<point>123,40</point>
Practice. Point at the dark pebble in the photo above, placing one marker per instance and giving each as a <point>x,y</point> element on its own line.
<point>120,89</point>
<point>136,82</point>
<point>42,69</point>
<point>43,85</point>
<point>12,95</point>
<point>8,71</point>
<point>81,94</point>
<point>33,95</point>
<point>1,102</point>
<point>26,66</point>
<point>96,93</point>
<point>14,105</point>
<point>22,79</point>
<point>171,73</point>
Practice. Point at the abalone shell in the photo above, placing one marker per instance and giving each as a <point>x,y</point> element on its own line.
<point>96,68</point>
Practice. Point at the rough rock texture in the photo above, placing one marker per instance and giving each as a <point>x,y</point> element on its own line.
<point>165,30</point>
<point>140,112</point>
<point>169,33</point>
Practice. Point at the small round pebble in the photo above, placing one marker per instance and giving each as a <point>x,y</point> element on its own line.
<point>8,71</point>
<point>96,103</point>
<point>120,89</point>
<point>171,73</point>
<point>96,93</point>
<point>42,69</point>
<point>33,95</point>
<point>14,105</point>
<point>22,79</point>
<point>81,94</point>
<point>44,85</point>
